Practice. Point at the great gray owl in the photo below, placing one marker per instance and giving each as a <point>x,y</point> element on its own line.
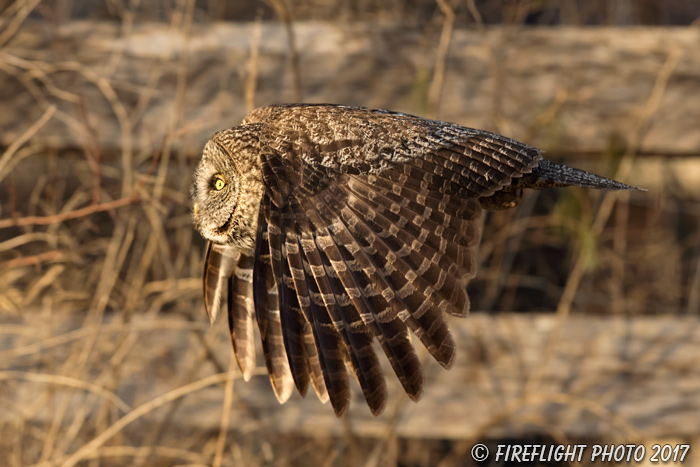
<point>333,226</point>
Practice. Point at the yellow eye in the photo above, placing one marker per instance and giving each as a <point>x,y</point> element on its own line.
<point>219,184</point>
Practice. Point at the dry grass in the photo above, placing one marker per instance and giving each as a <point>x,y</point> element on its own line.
<point>103,340</point>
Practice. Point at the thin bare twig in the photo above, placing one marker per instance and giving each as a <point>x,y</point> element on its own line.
<point>24,137</point>
<point>196,459</point>
<point>225,414</point>
<point>282,9</point>
<point>80,333</point>
<point>34,259</point>
<point>471,6</point>
<point>694,295</point>
<point>252,78</point>
<point>61,380</point>
<point>435,91</point>
<point>86,211</point>
<point>139,412</point>
<point>25,7</point>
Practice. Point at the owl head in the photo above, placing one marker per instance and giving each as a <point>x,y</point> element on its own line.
<point>227,188</point>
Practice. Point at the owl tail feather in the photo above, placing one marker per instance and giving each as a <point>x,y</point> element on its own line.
<point>218,267</point>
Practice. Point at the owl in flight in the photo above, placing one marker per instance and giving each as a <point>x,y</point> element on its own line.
<point>332,226</point>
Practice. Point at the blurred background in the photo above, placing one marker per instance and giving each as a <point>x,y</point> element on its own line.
<point>585,323</point>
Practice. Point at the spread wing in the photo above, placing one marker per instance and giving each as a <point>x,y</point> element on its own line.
<point>367,230</point>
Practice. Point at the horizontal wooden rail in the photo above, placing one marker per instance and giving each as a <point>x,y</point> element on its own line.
<point>580,90</point>
<point>515,375</point>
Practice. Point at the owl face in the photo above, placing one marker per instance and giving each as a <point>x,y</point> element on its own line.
<point>215,192</point>
<point>227,188</point>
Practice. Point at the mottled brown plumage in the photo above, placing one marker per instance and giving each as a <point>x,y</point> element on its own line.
<point>332,226</point>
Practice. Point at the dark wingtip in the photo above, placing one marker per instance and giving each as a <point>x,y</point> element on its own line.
<point>614,185</point>
<point>553,174</point>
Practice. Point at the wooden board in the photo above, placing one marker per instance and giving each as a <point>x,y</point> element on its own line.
<point>580,90</point>
<point>597,378</point>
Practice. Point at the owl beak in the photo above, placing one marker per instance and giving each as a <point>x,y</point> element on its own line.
<point>196,208</point>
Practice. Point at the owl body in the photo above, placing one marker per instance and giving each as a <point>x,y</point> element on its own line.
<point>336,227</point>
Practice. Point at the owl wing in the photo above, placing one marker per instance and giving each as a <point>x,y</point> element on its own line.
<point>367,229</point>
